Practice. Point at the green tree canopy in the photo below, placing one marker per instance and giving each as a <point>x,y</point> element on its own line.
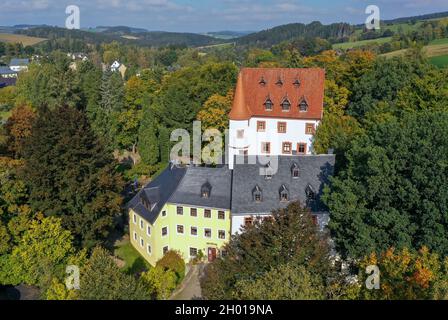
<point>393,191</point>
<point>71,175</point>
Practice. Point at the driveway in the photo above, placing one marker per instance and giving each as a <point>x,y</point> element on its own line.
<point>190,289</point>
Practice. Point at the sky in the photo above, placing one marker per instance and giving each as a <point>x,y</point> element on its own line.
<point>207,15</point>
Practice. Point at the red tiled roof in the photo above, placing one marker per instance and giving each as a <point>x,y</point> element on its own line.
<point>251,95</point>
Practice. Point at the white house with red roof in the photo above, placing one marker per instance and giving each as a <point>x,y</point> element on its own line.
<point>275,112</point>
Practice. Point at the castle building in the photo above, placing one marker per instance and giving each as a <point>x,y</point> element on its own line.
<point>275,112</point>
<point>272,163</point>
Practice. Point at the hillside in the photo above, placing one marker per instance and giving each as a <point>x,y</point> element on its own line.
<point>269,37</point>
<point>23,39</point>
<point>147,39</point>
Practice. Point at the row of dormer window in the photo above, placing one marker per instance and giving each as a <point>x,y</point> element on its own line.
<point>257,194</point>
<point>286,105</point>
<point>263,82</point>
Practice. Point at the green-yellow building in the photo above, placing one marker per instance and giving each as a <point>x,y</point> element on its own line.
<point>186,209</point>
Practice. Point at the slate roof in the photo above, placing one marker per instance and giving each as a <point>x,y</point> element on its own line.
<point>157,193</point>
<point>6,70</point>
<point>256,85</point>
<point>183,185</point>
<point>5,82</point>
<point>219,180</point>
<point>314,171</point>
<point>234,190</point>
<point>19,62</point>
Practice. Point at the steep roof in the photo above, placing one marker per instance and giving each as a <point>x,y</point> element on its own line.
<point>256,85</point>
<point>6,70</point>
<point>183,185</point>
<point>314,172</point>
<point>218,180</point>
<point>19,62</point>
<point>157,193</point>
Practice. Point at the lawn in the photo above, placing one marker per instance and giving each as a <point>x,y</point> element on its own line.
<point>440,61</point>
<point>25,40</point>
<point>355,44</point>
<point>134,262</point>
<point>436,48</point>
<point>439,41</point>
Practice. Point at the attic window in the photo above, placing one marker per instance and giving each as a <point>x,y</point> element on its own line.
<point>262,81</point>
<point>257,194</point>
<point>303,105</point>
<point>295,171</point>
<point>284,194</point>
<point>297,83</point>
<point>310,193</point>
<point>279,82</point>
<point>269,172</point>
<point>205,190</point>
<point>145,203</point>
<point>286,105</point>
<point>268,104</point>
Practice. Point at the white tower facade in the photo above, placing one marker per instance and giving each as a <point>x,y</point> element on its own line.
<point>275,112</point>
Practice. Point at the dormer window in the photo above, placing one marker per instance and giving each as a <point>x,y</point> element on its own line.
<point>303,105</point>
<point>297,83</point>
<point>310,193</point>
<point>268,105</point>
<point>286,105</point>
<point>284,194</point>
<point>262,81</point>
<point>279,82</point>
<point>206,190</point>
<point>269,172</point>
<point>257,194</point>
<point>145,203</point>
<point>295,171</point>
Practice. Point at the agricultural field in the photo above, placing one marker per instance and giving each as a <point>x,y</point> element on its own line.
<point>440,61</point>
<point>355,44</point>
<point>18,38</point>
<point>436,48</point>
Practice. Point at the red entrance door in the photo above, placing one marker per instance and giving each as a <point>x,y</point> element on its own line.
<point>211,254</point>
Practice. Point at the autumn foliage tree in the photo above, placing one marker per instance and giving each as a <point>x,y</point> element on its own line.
<point>18,128</point>
<point>406,275</point>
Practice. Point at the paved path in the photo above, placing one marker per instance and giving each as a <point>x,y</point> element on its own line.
<point>190,288</point>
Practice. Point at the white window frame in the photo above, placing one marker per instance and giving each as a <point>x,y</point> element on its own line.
<point>135,236</point>
<point>225,235</point>
<point>134,218</point>
<point>211,233</point>
<point>148,249</point>
<point>167,231</point>
<point>211,214</point>
<point>142,224</point>
<point>177,232</point>
<point>148,227</point>
<point>189,252</point>
<point>142,242</point>
<point>168,249</point>
<point>197,231</point>
<point>164,216</point>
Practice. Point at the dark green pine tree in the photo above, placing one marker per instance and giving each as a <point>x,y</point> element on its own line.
<point>104,118</point>
<point>71,175</point>
<point>148,145</point>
